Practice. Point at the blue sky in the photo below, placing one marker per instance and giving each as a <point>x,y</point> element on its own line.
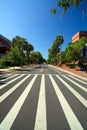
<point>31,19</point>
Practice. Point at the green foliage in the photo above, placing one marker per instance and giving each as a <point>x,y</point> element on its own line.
<point>54,51</point>
<point>69,52</point>
<point>4,63</point>
<point>53,11</point>
<point>71,65</point>
<point>13,56</point>
<point>36,58</point>
<point>73,51</point>
<point>63,57</point>
<point>23,45</point>
<point>18,54</point>
<point>28,48</point>
<point>63,4</point>
<point>19,41</point>
<point>66,4</point>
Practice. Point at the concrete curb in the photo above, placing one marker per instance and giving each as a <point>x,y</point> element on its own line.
<point>68,72</point>
<point>9,70</point>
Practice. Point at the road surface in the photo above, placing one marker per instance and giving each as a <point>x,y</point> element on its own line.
<point>42,98</point>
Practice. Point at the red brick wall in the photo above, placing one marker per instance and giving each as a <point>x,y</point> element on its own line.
<point>78,35</point>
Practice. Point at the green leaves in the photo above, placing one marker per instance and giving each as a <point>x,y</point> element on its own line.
<point>23,45</point>
<point>54,51</point>
<point>74,50</point>
<point>53,11</point>
<point>66,4</point>
<point>72,53</point>
<point>13,56</point>
<point>36,57</point>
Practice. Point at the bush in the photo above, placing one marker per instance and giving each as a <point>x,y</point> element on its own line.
<point>4,63</point>
<point>71,65</point>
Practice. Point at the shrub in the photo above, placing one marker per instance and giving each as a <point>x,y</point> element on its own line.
<point>4,63</point>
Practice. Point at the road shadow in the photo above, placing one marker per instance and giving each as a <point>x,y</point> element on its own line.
<point>2,78</point>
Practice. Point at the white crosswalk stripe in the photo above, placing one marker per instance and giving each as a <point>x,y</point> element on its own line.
<point>9,119</point>
<point>84,82</point>
<point>40,123</point>
<point>9,76</point>
<point>6,77</point>
<point>11,81</point>
<point>6,94</point>
<point>41,113</point>
<point>70,116</point>
<point>78,85</point>
<point>76,94</point>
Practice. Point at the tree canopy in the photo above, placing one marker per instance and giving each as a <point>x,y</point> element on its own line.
<point>18,53</point>
<point>23,45</point>
<point>73,51</point>
<point>36,57</point>
<point>66,4</point>
<point>54,51</point>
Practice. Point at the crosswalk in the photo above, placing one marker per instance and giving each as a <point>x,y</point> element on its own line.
<point>67,92</point>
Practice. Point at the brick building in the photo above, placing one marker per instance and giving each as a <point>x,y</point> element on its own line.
<point>4,45</point>
<point>78,35</point>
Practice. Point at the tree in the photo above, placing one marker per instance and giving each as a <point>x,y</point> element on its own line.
<point>23,45</point>
<point>18,53</point>
<point>13,56</point>
<point>73,51</point>
<point>55,50</point>
<point>69,53</point>
<point>66,4</point>
<point>56,47</point>
<point>28,48</point>
<point>63,57</point>
<point>36,57</point>
<point>20,43</point>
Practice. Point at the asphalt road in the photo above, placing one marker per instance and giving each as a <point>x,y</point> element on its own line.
<point>42,98</point>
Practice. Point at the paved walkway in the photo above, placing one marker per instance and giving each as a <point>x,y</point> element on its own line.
<point>12,69</point>
<point>74,71</point>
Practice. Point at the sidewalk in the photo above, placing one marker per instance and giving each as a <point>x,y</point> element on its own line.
<point>9,70</point>
<point>73,71</point>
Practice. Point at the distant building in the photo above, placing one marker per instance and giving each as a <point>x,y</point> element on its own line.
<point>5,45</point>
<point>78,35</point>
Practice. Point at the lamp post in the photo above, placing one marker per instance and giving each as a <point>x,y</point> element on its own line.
<point>86,57</point>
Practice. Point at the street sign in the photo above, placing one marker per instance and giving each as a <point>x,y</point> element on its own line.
<point>84,52</point>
